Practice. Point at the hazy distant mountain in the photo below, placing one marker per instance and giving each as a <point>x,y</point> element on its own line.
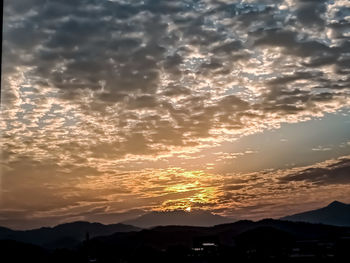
<point>178,217</point>
<point>336,213</point>
<point>65,235</point>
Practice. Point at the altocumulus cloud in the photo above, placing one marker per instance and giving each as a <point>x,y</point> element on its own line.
<point>142,68</point>
<point>331,172</point>
<point>92,83</point>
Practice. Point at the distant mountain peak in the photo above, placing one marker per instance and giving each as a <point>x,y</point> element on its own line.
<point>336,204</point>
<point>336,213</point>
<point>178,217</point>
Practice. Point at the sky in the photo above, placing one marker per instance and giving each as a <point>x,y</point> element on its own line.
<point>111,109</point>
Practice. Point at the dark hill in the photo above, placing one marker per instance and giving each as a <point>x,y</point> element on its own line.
<point>165,236</point>
<point>268,240</point>
<point>65,235</point>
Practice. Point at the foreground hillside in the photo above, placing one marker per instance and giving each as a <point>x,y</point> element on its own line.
<point>244,241</point>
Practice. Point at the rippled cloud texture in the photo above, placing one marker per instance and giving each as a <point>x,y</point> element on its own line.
<point>112,108</point>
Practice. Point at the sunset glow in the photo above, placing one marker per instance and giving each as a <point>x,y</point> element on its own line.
<point>112,109</point>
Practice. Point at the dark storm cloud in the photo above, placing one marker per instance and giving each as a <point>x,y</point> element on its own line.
<point>333,173</point>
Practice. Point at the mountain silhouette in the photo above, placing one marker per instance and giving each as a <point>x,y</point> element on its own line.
<point>178,217</point>
<point>336,213</point>
<point>245,232</point>
<point>268,240</point>
<point>64,235</point>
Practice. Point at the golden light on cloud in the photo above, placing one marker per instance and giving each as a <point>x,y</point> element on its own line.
<point>190,188</point>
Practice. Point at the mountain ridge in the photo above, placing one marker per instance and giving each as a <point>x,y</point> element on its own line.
<point>66,234</point>
<point>235,242</point>
<point>336,213</point>
<point>70,234</point>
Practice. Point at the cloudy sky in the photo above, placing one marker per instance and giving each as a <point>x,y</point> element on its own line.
<point>113,108</point>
